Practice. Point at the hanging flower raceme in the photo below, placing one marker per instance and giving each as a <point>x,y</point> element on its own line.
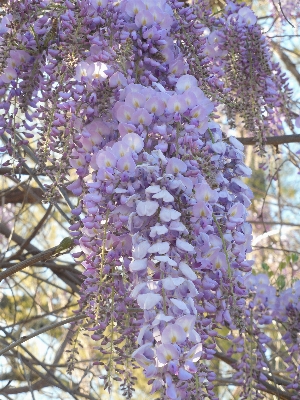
<point>267,308</point>
<point>165,217</point>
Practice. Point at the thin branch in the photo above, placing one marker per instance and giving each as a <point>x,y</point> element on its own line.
<point>275,249</point>
<point>42,256</point>
<point>290,66</point>
<point>40,331</point>
<point>256,222</point>
<point>283,36</point>
<point>281,9</point>
<point>274,140</point>
<point>41,316</point>
<point>19,171</point>
<point>270,388</point>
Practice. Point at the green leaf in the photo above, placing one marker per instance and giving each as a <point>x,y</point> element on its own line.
<point>280,282</point>
<point>282,265</point>
<point>294,257</point>
<point>265,267</point>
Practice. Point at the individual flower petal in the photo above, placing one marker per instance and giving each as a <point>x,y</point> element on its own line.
<point>168,214</point>
<point>187,322</point>
<point>133,7</point>
<point>219,147</point>
<point>195,353</point>
<point>141,116</point>
<point>155,106</point>
<point>164,195</point>
<point>99,3</point>
<point>148,300</point>
<point>8,75</point>
<point>194,336</point>
<point>199,112</point>
<point>140,286</point>
<point>153,189</point>
<point>159,247</point>
<point>144,18</point>
<point>171,283</point>
<point>120,149</point>
<point>187,271</point>
<point>237,211</point>
<point>166,353</point>
<point>183,245</point>
<point>177,226</point>
<point>190,366</point>
<point>176,104</point>
<point>135,99</point>
<point>236,143</point>
<point>141,349</point>
<point>185,82</point>
<point>247,15</point>
<point>190,98</point>
<point>138,265</point>
<point>134,142</point>
<point>203,192</point>
<point>161,317</point>
<point>183,375</point>
<point>173,367</point>
<point>166,259</point>
<point>117,79</point>
<point>200,210</point>
<point>125,113</point>
<point>126,164</point>
<point>171,389</point>
<point>173,333</point>
<point>175,165</point>
<point>99,68</point>
<point>105,159</point>
<point>146,208</point>
<point>181,305</point>
<point>141,249</point>
<point>158,230</point>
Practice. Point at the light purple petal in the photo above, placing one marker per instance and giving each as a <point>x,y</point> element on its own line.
<point>185,246</point>
<point>148,300</point>
<point>159,247</point>
<point>138,265</point>
<point>173,333</point>
<point>187,271</point>
<point>146,208</point>
<point>166,353</point>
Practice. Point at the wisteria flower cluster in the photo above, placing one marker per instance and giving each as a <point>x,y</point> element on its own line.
<point>166,213</point>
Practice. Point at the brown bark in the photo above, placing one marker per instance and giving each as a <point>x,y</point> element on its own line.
<point>274,140</point>
<point>16,195</point>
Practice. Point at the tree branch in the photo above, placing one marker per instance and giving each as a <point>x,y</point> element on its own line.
<point>65,244</point>
<point>269,388</point>
<point>40,331</point>
<point>257,222</point>
<point>72,279</point>
<point>274,140</point>
<point>19,171</point>
<point>290,66</point>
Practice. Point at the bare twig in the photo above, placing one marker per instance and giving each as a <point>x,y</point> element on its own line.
<point>281,9</point>
<point>274,140</point>
<point>291,67</point>
<point>40,331</point>
<point>65,244</point>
